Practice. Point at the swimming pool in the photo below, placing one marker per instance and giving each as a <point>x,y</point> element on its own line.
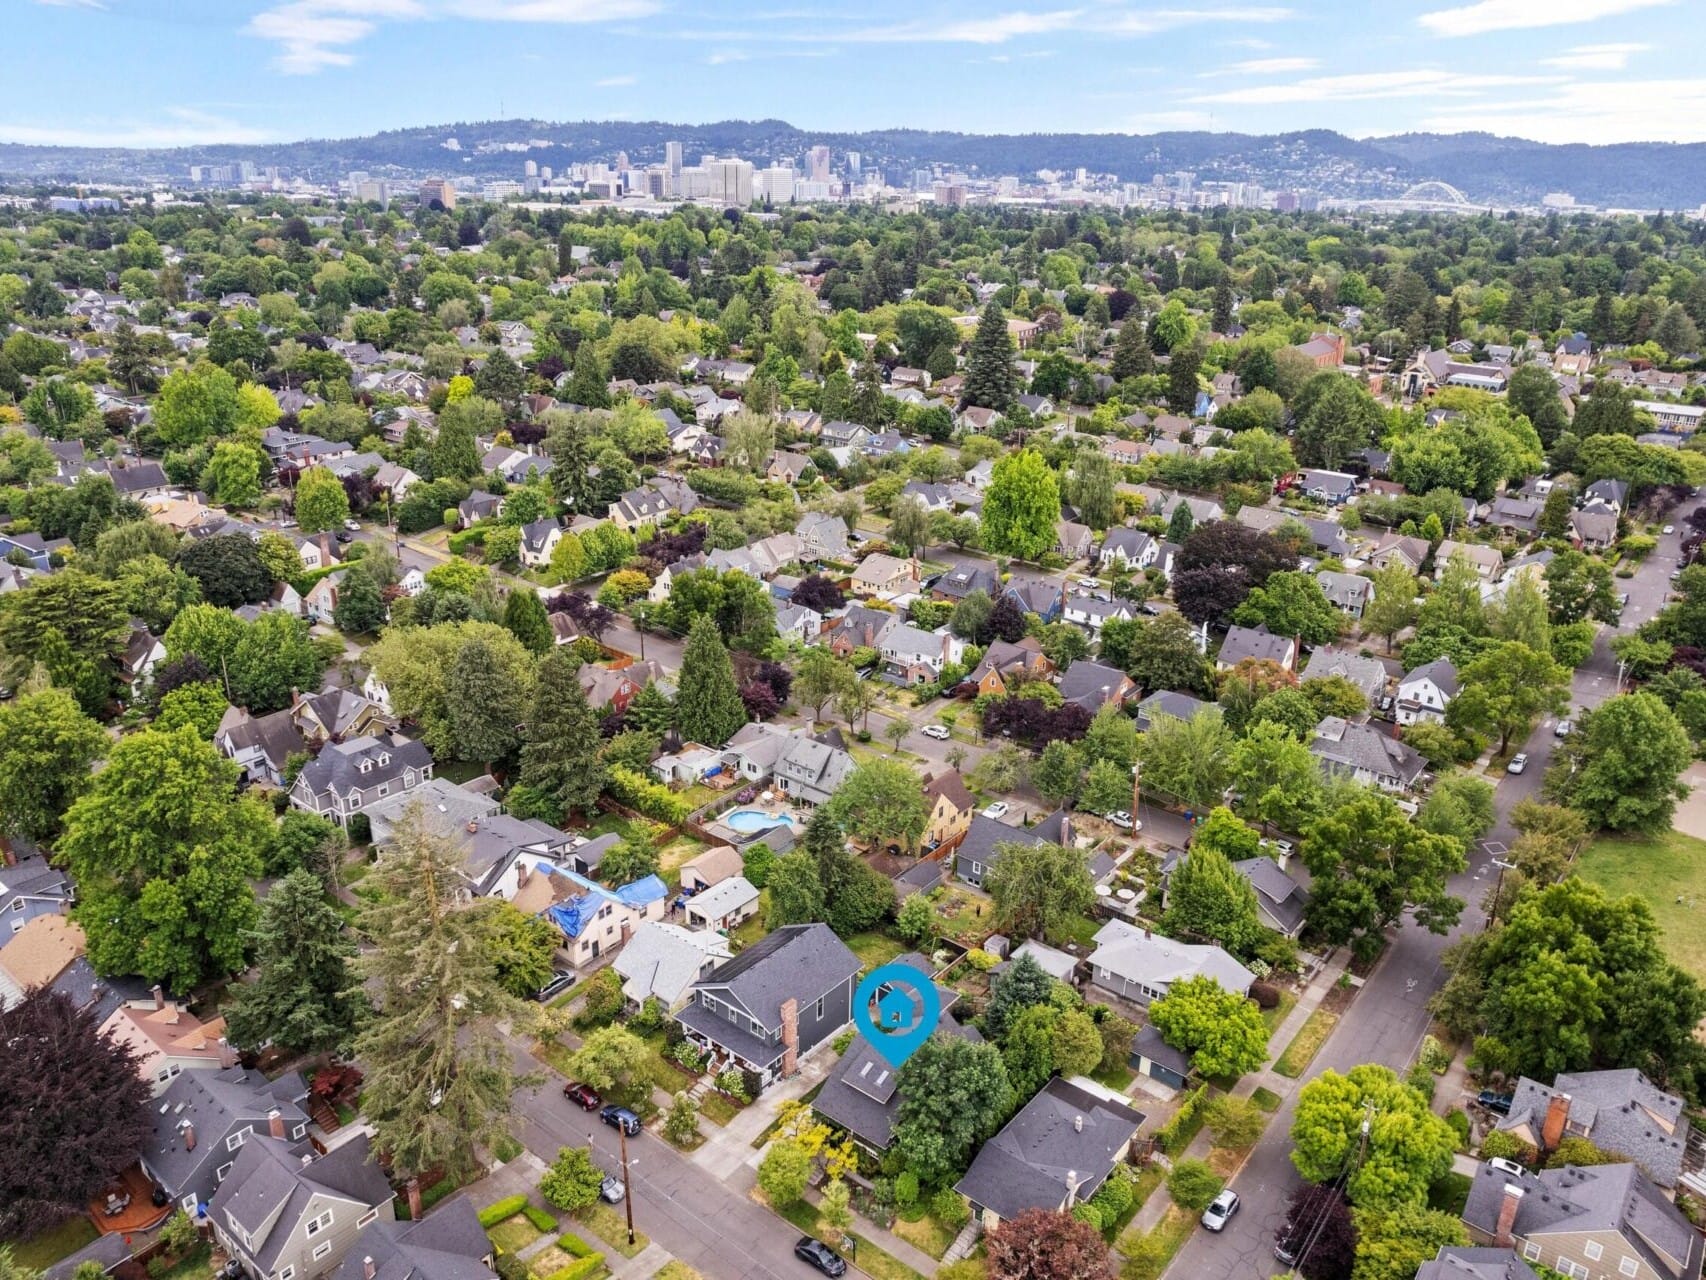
<point>747,821</point>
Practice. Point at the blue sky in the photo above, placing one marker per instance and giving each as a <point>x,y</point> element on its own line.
<point>168,72</point>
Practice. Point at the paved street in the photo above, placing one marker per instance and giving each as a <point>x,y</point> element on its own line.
<point>1387,1020</point>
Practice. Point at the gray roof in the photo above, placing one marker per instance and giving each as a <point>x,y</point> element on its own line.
<point>1149,1043</point>
<point>795,962</point>
<point>1464,1262</point>
<point>1442,671</point>
<point>1607,1197</point>
<point>725,896</point>
<point>1139,956</point>
<point>42,889</point>
<point>445,806</point>
<point>1343,745</point>
<point>664,960</point>
<point>966,577</point>
<point>268,1174</point>
<point>1091,683</point>
<point>1367,674</point>
<point>338,766</point>
<point>1254,642</point>
<point>1276,892</point>
<point>859,1092</point>
<point>533,535</point>
<point>447,1244</point>
<point>1057,964</point>
<point>1620,1111</point>
<point>1344,588</point>
<point>1165,702</point>
<point>107,1250</point>
<point>1063,1130</point>
<point>275,736</point>
<point>216,1103</point>
<point>978,844</point>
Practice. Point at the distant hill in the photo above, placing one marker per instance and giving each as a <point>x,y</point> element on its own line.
<point>1484,167</point>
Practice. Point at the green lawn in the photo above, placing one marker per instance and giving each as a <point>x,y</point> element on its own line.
<point>871,1259</point>
<point>47,1247</point>
<point>611,1226</point>
<point>194,1265</point>
<point>672,855</point>
<point>924,1232</point>
<point>717,1109</point>
<point>1273,1017</point>
<point>1266,1099</point>
<point>514,1234</point>
<point>1659,869</point>
<point>459,771</point>
<point>1149,1253</point>
<point>874,949</point>
<point>1306,1044</point>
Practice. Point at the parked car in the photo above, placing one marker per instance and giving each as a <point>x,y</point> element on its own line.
<point>343,536</point>
<point>1506,1166</point>
<point>1120,818</point>
<point>1518,763</point>
<point>612,1189</point>
<point>1281,847</point>
<point>1088,582</point>
<point>821,1256</point>
<point>583,1096</point>
<point>1218,1214</point>
<point>1565,729</point>
<point>559,983</point>
<point>997,810</point>
<point>936,731</point>
<point>1669,529</point>
<point>354,526</point>
<point>620,1118</point>
<point>1494,1101</point>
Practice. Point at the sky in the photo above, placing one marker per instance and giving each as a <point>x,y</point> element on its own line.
<point>176,72</point>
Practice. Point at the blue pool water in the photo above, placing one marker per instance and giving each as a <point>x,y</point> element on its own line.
<point>749,820</point>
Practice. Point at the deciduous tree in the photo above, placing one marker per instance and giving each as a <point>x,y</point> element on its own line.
<point>1041,1244</point>
<point>1039,888</point>
<point>1221,1030</point>
<point>953,1094</point>
<point>1406,1150</point>
<point>1021,507</point>
<point>1621,768</point>
<point>47,745</point>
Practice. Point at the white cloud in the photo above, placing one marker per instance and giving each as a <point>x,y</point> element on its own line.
<point>182,127</point>
<point>1367,85</point>
<point>1265,67</point>
<point>312,35</point>
<point>1510,15</point>
<point>1595,112</point>
<point>1596,57</point>
<point>1110,20</point>
<point>724,56</point>
<point>71,4</point>
<point>615,82</point>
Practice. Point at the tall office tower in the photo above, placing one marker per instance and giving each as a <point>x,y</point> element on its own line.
<point>672,159</point>
<point>731,181</point>
<point>817,162</point>
<point>530,169</point>
<point>853,160</point>
<point>438,189</point>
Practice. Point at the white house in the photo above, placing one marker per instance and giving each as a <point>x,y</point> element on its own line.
<point>1425,693</point>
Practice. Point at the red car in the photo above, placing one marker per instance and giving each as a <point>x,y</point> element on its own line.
<point>583,1095</point>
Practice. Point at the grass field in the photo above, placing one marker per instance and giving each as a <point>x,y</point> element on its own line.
<point>1660,869</point>
<point>874,949</point>
<point>1276,1015</point>
<point>611,1226</point>
<point>45,1248</point>
<point>1306,1044</point>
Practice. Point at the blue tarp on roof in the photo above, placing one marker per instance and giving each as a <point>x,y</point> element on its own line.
<point>573,915</point>
<point>641,892</point>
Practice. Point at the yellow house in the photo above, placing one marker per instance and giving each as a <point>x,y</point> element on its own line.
<point>951,808</point>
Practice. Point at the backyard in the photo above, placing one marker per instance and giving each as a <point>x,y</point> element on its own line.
<point>1669,872</point>
<point>47,1247</point>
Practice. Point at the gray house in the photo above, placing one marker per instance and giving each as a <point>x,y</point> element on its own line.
<point>347,777</point>
<point>288,1214</point>
<point>976,853</point>
<point>202,1119</point>
<point>1057,1151</point>
<point>774,1002</point>
<point>1366,755</point>
<point>1140,966</point>
<point>1619,1111</point>
<point>1161,1062</point>
<point>1280,900</point>
<point>449,1245</point>
<point>1466,1262</point>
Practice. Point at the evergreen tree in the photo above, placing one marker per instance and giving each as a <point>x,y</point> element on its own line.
<point>1182,379</point>
<point>501,379</point>
<point>1222,316</point>
<point>305,997</point>
<point>708,708</point>
<point>560,756</point>
<point>867,407</point>
<point>1132,356</point>
<point>570,479</point>
<point>590,385</point>
<point>991,380</point>
<point>525,616</point>
<point>1180,524</point>
<point>439,1072</point>
<point>455,451</point>
<point>360,607</point>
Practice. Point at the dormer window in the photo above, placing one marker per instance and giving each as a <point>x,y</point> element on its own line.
<point>366,766</point>
<point>384,758</point>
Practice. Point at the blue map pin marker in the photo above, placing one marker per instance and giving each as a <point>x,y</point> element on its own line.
<point>907,1010</point>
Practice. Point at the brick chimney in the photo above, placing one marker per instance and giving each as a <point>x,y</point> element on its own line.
<point>413,1192</point>
<point>790,1037</point>
<point>1508,1206</point>
<point>227,1054</point>
<point>367,1268</point>
<point>1557,1116</point>
<point>189,1137</point>
<point>159,997</point>
<point>275,1123</point>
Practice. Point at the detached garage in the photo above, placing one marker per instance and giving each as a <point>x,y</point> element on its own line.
<point>1161,1062</point>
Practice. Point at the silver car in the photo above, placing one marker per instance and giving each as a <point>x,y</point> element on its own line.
<point>1218,1214</point>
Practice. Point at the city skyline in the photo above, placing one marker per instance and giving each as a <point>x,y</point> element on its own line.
<point>1594,71</point>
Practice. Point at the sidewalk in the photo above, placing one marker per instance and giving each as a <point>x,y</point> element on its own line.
<point>728,1148</point>
<point>887,1241</point>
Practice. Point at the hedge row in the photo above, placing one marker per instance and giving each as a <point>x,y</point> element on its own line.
<point>503,1209</point>
<point>640,793</point>
<point>538,1217</point>
<point>579,1269</point>
<point>1176,1134</point>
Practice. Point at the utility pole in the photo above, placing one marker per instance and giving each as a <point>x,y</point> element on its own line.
<point>1136,791</point>
<point>628,1190</point>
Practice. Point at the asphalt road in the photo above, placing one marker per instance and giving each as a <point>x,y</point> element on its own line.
<point>1388,1019</point>
<point>707,1224</point>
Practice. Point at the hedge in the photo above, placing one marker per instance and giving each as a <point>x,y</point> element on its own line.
<point>500,1210</point>
<point>579,1269</point>
<point>538,1217</point>
<point>640,793</point>
<point>472,537</point>
<point>574,1246</point>
<point>1177,1133</point>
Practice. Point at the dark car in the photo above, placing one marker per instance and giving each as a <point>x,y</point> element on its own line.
<point>620,1118</point>
<point>821,1256</point>
<point>583,1096</point>
<point>1500,1102</point>
<point>344,536</point>
<point>559,983</point>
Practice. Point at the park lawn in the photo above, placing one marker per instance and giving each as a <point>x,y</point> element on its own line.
<point>1306,1044</point>
<point>874,949</point>
<point>1150,1253</point>
<point>1659,869</point>
<point>47,1247</point>
<point>1276,1015</point>
<point>612,1228</point>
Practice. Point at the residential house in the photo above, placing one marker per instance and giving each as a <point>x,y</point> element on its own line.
<point>1400,549</point>
<point>808,767</point>
<point>1055,1153</point>
<point>1094,686</point>
<point>1607,495</point>
<point>538,540</point>
<point>449,1245</point>
<point>885,577</point>
<point>1332,487</point>
<point>1165,702</point>
<point>774,1002</point>
<point>167,1039</point>
<point>797,621</point>
<point>978,849</point>
<point>1518,515</point>
<point>975,420</point>
<point>662,962</point>
<point>321,602</point>
<point>261,745</point>
<point>316,552</point>
<point>965,577</point>
<point>347,777</point>
<point>1432,370</point>
<point>715,865</point>
<point>616,687</point>
<point>722,907</point>
<point>1426,692</point>
<point>860,628</point>
<point>38,954</point>
<point>1367,674</point>
<point>1002,662</point>
<point>1486,561</point>
<point>843,435</point>
<point>951,807</point>
<point>1162,503</point>
<point>789,468</point>
<point>1258,643</point>
<point>1533,566</point>
<point>1124,452</point>
<point>204,1118</point>
<point>912,656</point>
<point>334,714</point>
<point>822,537</point>
<point>1139,966</point>
<point>1593,530</point>
<point>1045,597</point>
<point>1072,541</point>
<point>143,651</point>
<point>593,920</point>
<point>29,887</point>
<point>287,1213</point>
<point>1281,901</point>
<point>982,475</point>
<point>1584,1222</point>
<point>1093,612</point>
<point>1619,1111</point>
<point>1366,755</point>
<point>1465,1262</point>
<point>1346,592</point>
<point>1129,549</point>
<point>1153,1057</point>
<point>640,507</point>
<point>477,507</point>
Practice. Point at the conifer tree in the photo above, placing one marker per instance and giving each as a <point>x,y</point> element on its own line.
<point>991,380</point>
<point>1182,379</point>
<point>867,408</point>
<point>560,756</point>
<point>708,708</point>
<point>305,997</point>
<point>590,385</point>
<point>1132,356</point>
<point>526,620</point>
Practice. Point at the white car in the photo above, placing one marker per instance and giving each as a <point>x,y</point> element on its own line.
<point>354,526</point>
<point>1670,528</point>
<point>1518,763</point>
<point>1216,1216</point>
<point>1088,582</point>
<point>997,810</point>
<point>936,731</point>
<point>1120,818</point>
<point>1564,729</point>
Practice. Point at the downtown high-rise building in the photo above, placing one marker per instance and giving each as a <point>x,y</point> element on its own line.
<point>817,164</point>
